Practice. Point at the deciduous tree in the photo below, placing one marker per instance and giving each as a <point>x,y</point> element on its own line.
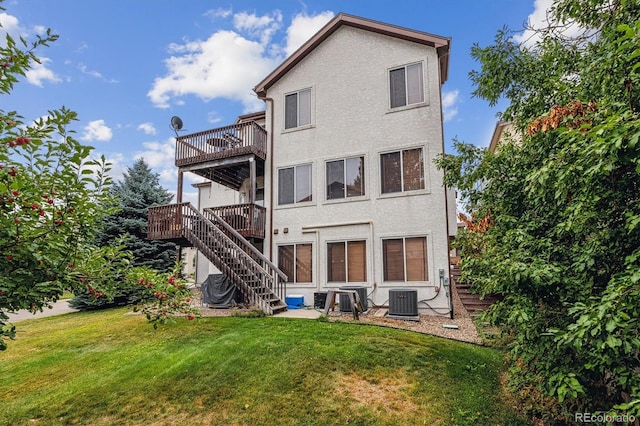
<point>50,196</point>
<point>562,207</point>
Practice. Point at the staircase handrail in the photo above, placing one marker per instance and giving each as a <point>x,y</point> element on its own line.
<point>246,244</point>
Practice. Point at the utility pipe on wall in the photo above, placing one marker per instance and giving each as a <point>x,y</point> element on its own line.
<point>270,155</point>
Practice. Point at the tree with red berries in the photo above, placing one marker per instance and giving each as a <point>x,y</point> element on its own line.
<point>51,193</point>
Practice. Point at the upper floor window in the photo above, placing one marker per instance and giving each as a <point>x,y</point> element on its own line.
<point>347,261</point>
<point>297,109</point>
<point>406,85</point>
<point>405,259</point>
<point>345,178</point>
<point>402,170</point>
<point>294,185</point>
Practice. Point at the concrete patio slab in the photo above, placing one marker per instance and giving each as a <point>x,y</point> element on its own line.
<point>307,313</point>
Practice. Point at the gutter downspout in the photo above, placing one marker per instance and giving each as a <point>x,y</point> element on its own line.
<point>447,285</point>
<point>270,154</point>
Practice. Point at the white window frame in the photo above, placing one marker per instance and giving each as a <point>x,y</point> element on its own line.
<point>295,183</point>
<point>297,93</point>
<point>420,82</point>
<point>294,279</point>
<point>344,175</point>
<point>402,190</point>
<point>404,257</point>
<point>346,260</point>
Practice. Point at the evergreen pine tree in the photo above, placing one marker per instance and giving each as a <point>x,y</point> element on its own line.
<point>139,190</point>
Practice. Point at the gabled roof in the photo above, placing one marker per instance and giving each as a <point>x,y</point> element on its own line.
<point>442,45</point>
<point>253,116</point>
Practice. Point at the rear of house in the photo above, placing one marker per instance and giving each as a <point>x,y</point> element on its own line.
<point>341,186</point>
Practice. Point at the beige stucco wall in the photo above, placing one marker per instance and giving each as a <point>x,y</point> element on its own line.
<point>211,194</point>
<point>348,74</point>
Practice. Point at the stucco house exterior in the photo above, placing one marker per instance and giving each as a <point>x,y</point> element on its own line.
<point>332,185</point>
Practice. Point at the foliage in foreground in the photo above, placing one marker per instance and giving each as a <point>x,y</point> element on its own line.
<point>108,279</point>
<point>82,368</point>
<point>556,212</point>
<point>50,196</point>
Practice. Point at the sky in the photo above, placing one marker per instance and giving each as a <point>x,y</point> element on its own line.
<point>127,66</point>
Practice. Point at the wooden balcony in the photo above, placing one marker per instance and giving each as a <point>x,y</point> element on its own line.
<point>248,219</point>
<point>166,222</point>
<point>222,143</point>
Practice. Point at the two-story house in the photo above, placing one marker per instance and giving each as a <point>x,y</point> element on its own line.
<point>335,180</point>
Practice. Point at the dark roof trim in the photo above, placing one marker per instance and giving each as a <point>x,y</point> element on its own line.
<point>442,45</point>
<point>252,116</point>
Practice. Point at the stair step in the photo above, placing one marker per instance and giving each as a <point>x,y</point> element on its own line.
<point>219,246</point>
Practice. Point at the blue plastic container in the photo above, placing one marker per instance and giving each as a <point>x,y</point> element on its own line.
<point>294,301</point>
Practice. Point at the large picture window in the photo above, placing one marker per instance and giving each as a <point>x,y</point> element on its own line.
<point>294,185</point>
<point>295,260</point>
<point>345,178</point>
<point>405,259</point>
<point>406,85</point>
<point>297,109</point>
<point>347,261</point>
<point>402,171</point>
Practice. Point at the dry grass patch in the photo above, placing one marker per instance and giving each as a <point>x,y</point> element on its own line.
<point>389,395</point>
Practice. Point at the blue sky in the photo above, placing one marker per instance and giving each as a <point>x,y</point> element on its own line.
<point>126,67</point>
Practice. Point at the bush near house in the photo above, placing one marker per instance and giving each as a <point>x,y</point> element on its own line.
<point>562,205</point>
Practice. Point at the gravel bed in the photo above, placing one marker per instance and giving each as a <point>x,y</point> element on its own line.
<point>428,324</point>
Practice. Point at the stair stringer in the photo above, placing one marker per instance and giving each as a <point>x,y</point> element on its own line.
<point>255,283</point>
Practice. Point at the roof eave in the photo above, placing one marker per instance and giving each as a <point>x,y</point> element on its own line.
<point>442,45</point>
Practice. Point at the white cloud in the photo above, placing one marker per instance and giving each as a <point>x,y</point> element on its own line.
<point>213,117</point>
<point>536,20</point>
<point>450,104</point>
<point>219,13</point>
<point>117,166</point>
<point>160,156</point>
<point>39,73</point>
<point>260,27</point>
<point>303,27</point>
<point>96,131</point>
<point>230,63</point>
<point>9,25</point>
<point>40,30</point>
<point>147,128</point>
<point>83,68</point>
<point>226,65</point>
<point>539,19</point>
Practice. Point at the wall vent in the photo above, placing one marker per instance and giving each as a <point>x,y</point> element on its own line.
<point>403,304</point>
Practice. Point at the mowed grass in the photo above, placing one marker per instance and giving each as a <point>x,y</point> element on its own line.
<point>111,367</point>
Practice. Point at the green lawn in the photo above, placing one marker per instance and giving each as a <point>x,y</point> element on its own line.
<point>110,367</point>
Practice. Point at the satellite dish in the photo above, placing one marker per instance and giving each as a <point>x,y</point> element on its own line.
<point>176,123</point>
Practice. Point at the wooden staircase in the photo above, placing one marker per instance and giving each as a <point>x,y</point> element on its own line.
<point>471,302</point>
<point>260,281</point>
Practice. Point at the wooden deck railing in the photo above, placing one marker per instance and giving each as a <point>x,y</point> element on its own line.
<point>223,142</point>
<point>165,222</point>
<point>260,281</point>
<point>248,219</point>
<point>279,278</point>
